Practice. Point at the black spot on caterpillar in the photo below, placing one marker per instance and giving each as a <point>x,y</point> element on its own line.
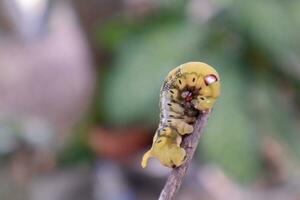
<point>192,88</point>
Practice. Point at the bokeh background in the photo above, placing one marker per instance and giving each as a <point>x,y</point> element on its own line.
<point>79,91</point>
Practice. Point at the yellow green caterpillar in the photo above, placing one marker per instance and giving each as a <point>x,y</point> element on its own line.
<point>187,90</point>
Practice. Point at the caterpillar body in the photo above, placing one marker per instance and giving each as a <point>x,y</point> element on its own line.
<point>187,90</point>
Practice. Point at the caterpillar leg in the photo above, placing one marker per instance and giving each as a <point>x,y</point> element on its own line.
<point>174,107</point>
<point>181,126</point>
<point>171,94</point>
<point>189,119</point>
<point>178,140</point>
<point>179,155</point>
<point>203,103</point>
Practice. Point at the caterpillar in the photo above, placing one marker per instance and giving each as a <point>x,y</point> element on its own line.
<point>187,90</point>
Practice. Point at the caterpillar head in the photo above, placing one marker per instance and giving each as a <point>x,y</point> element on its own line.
<point>204,81</point>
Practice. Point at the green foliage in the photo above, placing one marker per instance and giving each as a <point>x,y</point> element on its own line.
<point>274,27</point>
<point>273,112</point>
<point>132,84</point>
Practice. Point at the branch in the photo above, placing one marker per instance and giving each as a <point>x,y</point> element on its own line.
<point>189,143</point>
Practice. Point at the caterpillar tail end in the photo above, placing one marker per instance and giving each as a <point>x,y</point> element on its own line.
<point>145,158</point>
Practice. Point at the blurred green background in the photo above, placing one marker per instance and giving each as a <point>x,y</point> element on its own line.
<point>253,135</point>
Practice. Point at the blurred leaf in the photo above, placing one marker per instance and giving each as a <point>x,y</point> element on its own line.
<point>272,115</point>
<point>117,30</point>
<point>272,26</point>
<point>132,85</point>
<point>113,33</point>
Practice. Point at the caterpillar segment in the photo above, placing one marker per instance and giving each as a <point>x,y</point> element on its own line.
<point>188,89</point>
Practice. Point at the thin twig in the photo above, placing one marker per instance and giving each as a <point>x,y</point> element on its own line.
<point>190,144</point>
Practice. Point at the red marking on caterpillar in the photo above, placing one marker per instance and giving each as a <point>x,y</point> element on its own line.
<point>189,97</point>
